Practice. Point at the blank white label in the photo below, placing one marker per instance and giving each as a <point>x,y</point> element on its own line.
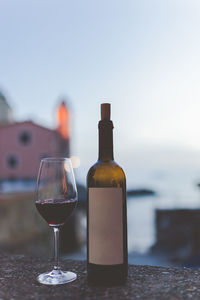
<point>105,226</point>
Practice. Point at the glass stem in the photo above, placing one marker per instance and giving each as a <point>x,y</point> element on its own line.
<point>56,248</point>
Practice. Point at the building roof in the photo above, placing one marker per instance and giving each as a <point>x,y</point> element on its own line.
<point>25,122</point>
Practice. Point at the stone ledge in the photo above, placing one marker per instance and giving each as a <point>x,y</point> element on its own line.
<point>18,273</point>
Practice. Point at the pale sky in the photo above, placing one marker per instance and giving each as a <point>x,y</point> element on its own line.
<point>142,56</point>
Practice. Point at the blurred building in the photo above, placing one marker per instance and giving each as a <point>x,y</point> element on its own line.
<point>24,144</point>
<point>6,114</point>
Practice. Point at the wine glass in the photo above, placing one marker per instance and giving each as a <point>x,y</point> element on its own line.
<point>56,198</point>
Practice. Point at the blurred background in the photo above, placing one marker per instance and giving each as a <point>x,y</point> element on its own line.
<point>58,61</point>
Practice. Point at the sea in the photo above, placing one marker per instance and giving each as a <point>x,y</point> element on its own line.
<point>174,187</point>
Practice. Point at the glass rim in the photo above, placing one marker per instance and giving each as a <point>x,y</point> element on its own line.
<point>55,159</point>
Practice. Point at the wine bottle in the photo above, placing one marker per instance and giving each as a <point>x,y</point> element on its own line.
<point>106,212</point>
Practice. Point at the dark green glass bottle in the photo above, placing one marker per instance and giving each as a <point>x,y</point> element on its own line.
<point>106,212</point>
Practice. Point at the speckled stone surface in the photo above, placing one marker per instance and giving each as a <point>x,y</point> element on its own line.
<point>18,281</point>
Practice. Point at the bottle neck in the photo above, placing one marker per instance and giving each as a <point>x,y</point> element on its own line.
<point>105,140</point>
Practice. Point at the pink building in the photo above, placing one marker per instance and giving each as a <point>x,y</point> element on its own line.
<point>23,145</point>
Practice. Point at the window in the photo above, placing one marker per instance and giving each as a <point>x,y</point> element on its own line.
<point>12,162</point>
<point>25,138</point>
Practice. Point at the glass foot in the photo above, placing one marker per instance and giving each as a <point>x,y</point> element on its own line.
<point>56,277</point>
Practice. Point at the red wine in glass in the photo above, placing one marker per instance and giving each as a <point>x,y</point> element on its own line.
<point>57,211</point>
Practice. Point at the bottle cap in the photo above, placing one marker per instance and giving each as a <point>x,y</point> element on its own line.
<point>105,111</point>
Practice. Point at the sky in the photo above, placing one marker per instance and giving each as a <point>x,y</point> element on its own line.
<point>141,56</point>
